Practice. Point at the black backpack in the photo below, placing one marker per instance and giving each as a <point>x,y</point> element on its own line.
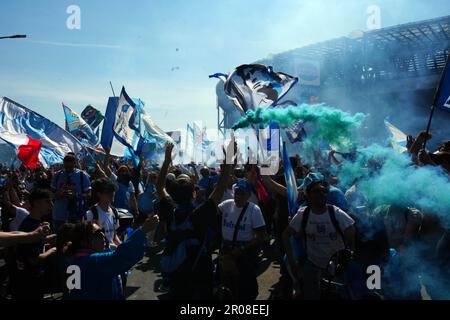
<point>94,211</point>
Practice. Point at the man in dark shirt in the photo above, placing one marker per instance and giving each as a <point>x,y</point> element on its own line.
<point>191,277</point>
<point>30,258</point>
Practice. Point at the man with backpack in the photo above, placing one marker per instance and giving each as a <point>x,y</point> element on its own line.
<point>323,230</point>
<point>102,213</point>
<point>243,232</point>
<point>71,187</point>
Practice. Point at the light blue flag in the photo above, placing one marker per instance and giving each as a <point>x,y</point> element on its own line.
<point>56,142</point>
<point>79,128</point>
<point>291,182</point>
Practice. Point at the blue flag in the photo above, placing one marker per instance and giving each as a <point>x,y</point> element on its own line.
<point>16,119</point>
<point>122,125</point>
<point>442,100</point>
<point>291,182</point>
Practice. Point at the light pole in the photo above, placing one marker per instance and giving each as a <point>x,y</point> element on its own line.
<point>17,36</point>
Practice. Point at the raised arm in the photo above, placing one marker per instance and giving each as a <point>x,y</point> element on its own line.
<point>274,186</point>
<point>227,168</point>
<point>106,165</point>
<point>161,192</point>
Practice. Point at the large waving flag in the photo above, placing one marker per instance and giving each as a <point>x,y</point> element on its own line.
<point>398,138</point>
<point>128,131</point>
<point>291,182</point>
<point>251,86</point>
<point>442,100</point>
<point>18,122</point>
<point>121,127</point>
<point>79,128</point>
<point>92,116</point>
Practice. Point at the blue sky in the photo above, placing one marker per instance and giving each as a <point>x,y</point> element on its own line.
<point>134,43</point>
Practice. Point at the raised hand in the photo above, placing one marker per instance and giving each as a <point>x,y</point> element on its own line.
<point>150,224</point>
<point>168,155</point>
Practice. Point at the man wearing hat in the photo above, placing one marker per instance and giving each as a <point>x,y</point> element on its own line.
<point>323,229</point>
<point>243,232</point>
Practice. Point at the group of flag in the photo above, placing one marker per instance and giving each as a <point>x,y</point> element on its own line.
<point>127,131</point>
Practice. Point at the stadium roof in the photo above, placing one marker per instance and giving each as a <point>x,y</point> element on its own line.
<point>422,34</point>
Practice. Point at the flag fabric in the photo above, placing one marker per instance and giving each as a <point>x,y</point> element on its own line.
<point>92,116</point>
<point>16,119</point>
<point>198,133</point>
<point>398,138</point>
<point>108,141</point>
<point>296,132</point>
<point>151,132</point>
<point>129,132</point>
<point>79,128</point>
<point>127,124</point>
<point>442,99</point>
<point>27,148</point>
<point>254,85</point>
<point>291,182</point>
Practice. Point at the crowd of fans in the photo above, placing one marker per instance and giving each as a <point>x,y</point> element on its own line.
<point>213,225</point>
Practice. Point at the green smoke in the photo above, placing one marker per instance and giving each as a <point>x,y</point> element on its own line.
<point>388,177</point>
<point>333,125</point>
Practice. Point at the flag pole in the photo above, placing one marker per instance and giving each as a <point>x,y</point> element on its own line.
<point>429,125</point>
<point>436,95</point>
<point>112,89</point>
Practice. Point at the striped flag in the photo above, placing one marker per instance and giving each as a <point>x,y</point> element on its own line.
<point>291,182</point>
<point>18,122</point>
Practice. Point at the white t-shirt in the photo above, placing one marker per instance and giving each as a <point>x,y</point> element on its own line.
<point>21,214</point>
<point>323,240</point>
<point>252,219</point>
<point>106,222</point>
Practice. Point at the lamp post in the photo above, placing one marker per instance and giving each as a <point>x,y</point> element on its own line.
<point>17,36</point>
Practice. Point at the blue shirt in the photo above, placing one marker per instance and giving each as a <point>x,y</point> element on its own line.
<point>62,180</point>
<point>208,182</point>
<point>100,271</point>
<point>146,200</point>
<point>123,194</point>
